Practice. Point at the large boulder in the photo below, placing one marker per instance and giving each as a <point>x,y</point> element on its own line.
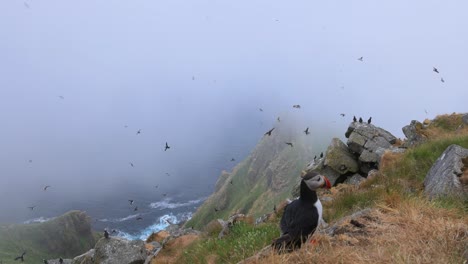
<point>116,250</point>
<point>413,134</point>
<point>444,178</point>
<point>338,158</point>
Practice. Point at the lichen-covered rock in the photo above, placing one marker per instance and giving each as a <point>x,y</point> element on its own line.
<point>412,133</point>
<point>338,158</point>
<point>116,250</point>
<point>444,178</point>
<point>86,258</point>
<point>356,179</point>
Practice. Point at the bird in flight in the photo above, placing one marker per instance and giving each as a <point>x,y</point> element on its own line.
<point>30,161</point>
<point>131,164</point>
<point>21,257</point>
<point>233,159</point>
<point>167,173</point>
<point>307,131</point>
<point>289,144</point>
<point>125,126</point>
<point>156,186</point>
<point>442,80</point>
<point>434,69</point>
<point>261,110</point>
<point>342,114</point>
<point>32,207</point>
<point>45,188</point>
<point>130,201</point>
<point>361,59</point>
<point>297,106</point>
<point>279,120</point>
<point>136,209</point>
<point>138,132</point>
<point>167,147</point>
<point>61,97</point>
<point>269,132</point>
<point>164,194</point>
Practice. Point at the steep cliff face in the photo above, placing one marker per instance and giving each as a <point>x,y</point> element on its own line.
<point>263,179</point>
<point>65,236</point>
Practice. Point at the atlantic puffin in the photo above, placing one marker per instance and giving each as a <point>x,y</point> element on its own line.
<point>302,216</point>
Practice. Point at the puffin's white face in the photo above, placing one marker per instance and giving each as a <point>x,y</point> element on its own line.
<point>315,181</point>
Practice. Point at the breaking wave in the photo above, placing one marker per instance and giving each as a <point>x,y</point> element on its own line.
<point>166,204</point>
<point>38,220</point>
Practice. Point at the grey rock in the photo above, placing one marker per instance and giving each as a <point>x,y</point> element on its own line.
<point>86,258</point>
<point>465,119</point>
<point>369,157</point>
<point>116,250</point>
<point>443,179</point>
<point>338,158</point>
<point>412,135</point>
<point>356,143</point>
<point>356,179</point>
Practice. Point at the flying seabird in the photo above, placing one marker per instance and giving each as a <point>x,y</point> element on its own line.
<point>442,80</point>
<point>164,194</point>
<point>369,120</point>
<point>269,132</point>
<point>156,186</point>
<point>21,257</point>
<point>167,147</point>
<point>233,159</point>
<point>261,110</point>
<point>30,161</point>
<point>302,216</point>
<point>131,164</point>
<point>435,69</point>
<point>32,207</point>
<point>45,188</point>
<point>131,201</point>
<point>360,120</point>
<point>138,132</point>
<point>307,131</point>
<point>278,119</point>
<point>289,143</point>
<point>354,119</point>
<point>167,173</point>
<point>342,114</point>
<point>361,58</point>
<point>297,106</point>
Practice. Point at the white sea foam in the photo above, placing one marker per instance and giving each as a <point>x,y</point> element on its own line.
<point>161,224</point>
<point>166,204</point>
<point>115,220</point>
<point>38,220</point>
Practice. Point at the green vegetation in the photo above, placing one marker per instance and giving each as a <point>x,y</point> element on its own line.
<point>242,242</point>
<point>66,236</point>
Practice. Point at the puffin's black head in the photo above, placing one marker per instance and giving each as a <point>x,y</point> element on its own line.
<point>314,180</point>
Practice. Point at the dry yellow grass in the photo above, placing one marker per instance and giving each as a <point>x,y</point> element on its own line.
<point>403,231</point>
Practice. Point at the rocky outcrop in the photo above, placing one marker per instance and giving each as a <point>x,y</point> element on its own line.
<point>117,250</point>
<point>369,143</point>
<point>413,134</point>
<point>446,177</point>
<point>86,258</point>
<point>465,119</point>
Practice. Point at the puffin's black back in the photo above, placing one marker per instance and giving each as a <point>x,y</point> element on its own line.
<point>300,219</point>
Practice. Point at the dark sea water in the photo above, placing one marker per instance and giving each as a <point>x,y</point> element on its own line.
<point>155,214</point>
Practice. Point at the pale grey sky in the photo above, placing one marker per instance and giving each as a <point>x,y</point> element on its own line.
<point>194,73</point>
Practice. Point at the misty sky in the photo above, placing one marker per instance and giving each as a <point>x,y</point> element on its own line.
<point>195,73</point>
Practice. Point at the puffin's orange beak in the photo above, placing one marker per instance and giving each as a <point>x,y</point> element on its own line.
<point>327,183</point>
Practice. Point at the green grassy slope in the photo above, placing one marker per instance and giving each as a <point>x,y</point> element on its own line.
<point>66,236</point>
